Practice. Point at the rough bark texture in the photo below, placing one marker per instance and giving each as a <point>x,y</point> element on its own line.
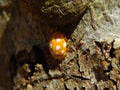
<point>93,57</point>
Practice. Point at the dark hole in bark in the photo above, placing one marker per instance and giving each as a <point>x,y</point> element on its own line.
<point>99,44</point>
<point>66,87</point>
<point>106,89</point>
<point>112,55</point>
<point>83,88</point>
<point>109,68</point>
<point>40,58</point>
<point>32,58</point>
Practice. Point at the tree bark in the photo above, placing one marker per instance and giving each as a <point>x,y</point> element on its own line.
<point>93,41</point>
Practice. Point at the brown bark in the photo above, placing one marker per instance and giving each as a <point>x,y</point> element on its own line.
<point>92,60</point>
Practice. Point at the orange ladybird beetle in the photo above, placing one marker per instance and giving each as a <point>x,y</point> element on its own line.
<point>58,45</point>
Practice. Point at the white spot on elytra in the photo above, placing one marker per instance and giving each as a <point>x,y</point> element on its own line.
<point>62,51</point>
<point>57,47</point>
<point>64,44</point>
<point>58,40</point>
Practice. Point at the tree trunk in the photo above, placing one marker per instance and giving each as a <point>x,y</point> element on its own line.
<point>92,60</point>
